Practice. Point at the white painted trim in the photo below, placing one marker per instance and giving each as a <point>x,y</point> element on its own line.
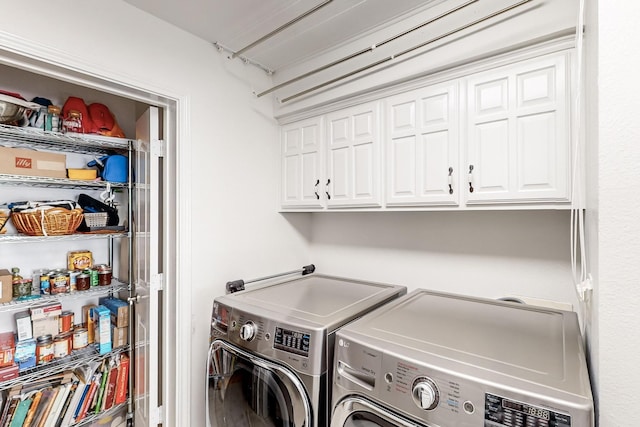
<point>26,55</point>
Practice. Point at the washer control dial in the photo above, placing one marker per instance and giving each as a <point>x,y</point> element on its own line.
<point>248,331</point>
<point>425,393</point>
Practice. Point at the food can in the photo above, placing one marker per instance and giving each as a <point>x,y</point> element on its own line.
<point>93,274</point>
<point>80,338</point>
<point>59,283</point>
<point>65,322</point>
<point>73,276</point>
<point>22,288</point>
<point>45,284</point>
<point>60,346</point>
<point>44,349</point>
<point>83,282</point>
<point>104,275</point>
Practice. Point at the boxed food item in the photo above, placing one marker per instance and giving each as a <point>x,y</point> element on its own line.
<point>18,161</point>
<point>25,355</point>
<point>7,348</point>
<point>23,323</point>
<point>79,260</point>
<point>8,372</point>
<point>6,287</point>
<point>119,311</point>
<point>88,322</point>
<point>118,336</point>
<point>46,311</point>
<point>83,174</point>
<point>102,321</point>
<point>47,326</point>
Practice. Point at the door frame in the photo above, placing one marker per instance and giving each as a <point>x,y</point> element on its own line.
<point>24,54</point>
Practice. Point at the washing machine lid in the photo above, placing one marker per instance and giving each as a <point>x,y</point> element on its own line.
<point>325,301</point>
<point>516,341</point>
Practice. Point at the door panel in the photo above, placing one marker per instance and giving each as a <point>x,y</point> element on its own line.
<point>146,232</point>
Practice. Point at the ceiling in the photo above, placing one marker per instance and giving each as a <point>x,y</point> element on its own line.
<point>235,24</point>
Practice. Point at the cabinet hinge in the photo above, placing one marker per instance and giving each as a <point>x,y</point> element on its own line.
<point>157,282</point>
<point>156,416</point>
<point>157,148</point>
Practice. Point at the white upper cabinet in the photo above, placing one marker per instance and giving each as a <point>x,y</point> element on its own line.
<point>518,133</point>
<point>353,157</point>
<point>422,147</point>
<point>302,174</point>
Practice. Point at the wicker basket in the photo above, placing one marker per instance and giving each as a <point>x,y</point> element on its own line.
<point>47,222</point>
<point>4,216</point>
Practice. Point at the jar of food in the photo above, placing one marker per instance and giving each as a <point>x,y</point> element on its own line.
<point>44,349</point>
<point>80,338</point>
<point>104,275</point>
<point>22,288</point>
<point>83,282</point>
<point>53,119</point>
<point>15,275</point>
<point>73,122</point>
<point>65,322</point>
<point>60,347</point>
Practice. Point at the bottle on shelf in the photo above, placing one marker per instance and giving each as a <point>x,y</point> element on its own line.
<point>15,275</point>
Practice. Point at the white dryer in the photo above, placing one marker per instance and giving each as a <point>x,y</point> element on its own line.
<point>435,359</point>
<point>271,354</point>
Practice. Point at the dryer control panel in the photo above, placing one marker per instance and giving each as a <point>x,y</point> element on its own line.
<point>292,341</point>
<point>500,411</point>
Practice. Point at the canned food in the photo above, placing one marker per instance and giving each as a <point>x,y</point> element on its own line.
<point>44,349</point>
<point>83,282</point>
<point>22,288</point>
<point>45,284</point>
<point>93,276</point>
<point>65,322</point>
<point>59,283</point>
<point>80,338</point>
<point>73,280</point>
<point>104,276</point>
<point>60,347</point>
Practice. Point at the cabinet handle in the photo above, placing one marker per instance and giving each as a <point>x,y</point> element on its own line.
<point>470,178</point>
<point>450,180</point>
<point>327,190</point>
<point>316,189</point>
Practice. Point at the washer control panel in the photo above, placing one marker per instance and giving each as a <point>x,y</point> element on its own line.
<point>500,411</point>
<point>292,341</point>
<point>425,393</point>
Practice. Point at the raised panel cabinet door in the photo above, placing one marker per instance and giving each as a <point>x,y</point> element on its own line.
<point>301,147</point>
<point>353,145</point>
<point>518,134</point>
<point>422,141</point>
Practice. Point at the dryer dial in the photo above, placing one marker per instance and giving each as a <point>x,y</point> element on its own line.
<point>248,331</point>
<point>425,393</point>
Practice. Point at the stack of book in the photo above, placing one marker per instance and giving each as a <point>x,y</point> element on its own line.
<point>68,398</point>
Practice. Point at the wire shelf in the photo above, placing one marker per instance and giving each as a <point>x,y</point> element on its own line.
<point>94,291</point>
<point>44,182</point>
<point>100,415</point>
<point>68,363</point>
<point>13,136</point>
<point>23,238</point>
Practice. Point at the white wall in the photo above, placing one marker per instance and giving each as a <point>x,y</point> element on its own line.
<point>233,161</point>
<point>488,254</point>
<point>613,134</point>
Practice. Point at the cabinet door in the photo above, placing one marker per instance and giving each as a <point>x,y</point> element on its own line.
<point>302,164</point>
<point>422,147</point>
<point>353,151</point>
<point>518,136</point>
<point>146,228</point>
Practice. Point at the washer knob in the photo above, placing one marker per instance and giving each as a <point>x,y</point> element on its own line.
<point>248,331</point>
<point>425,393</point>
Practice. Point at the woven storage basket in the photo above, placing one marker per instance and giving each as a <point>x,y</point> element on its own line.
<point>47,222</point>
<point>4,216</point>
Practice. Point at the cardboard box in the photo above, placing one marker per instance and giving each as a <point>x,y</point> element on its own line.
<point>102,320</point>
<point>48,326</point>
<point>17,161</point>
<point>118,336</point>
<point>25,355</point>
<point>7,348</point>
<point>46,311</point>
<point>23,324</point>
<point>6,286</point>
<point>119,311</point>
<point>88,322</point>
<point>8,373</point>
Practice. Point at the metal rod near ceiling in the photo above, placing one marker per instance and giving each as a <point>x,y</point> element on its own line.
<point>363,51</point>
<point>281,28</point>
<point>404,52</point>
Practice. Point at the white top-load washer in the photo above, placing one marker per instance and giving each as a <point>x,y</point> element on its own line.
<point>271,354</point>
<point>437,359</point>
